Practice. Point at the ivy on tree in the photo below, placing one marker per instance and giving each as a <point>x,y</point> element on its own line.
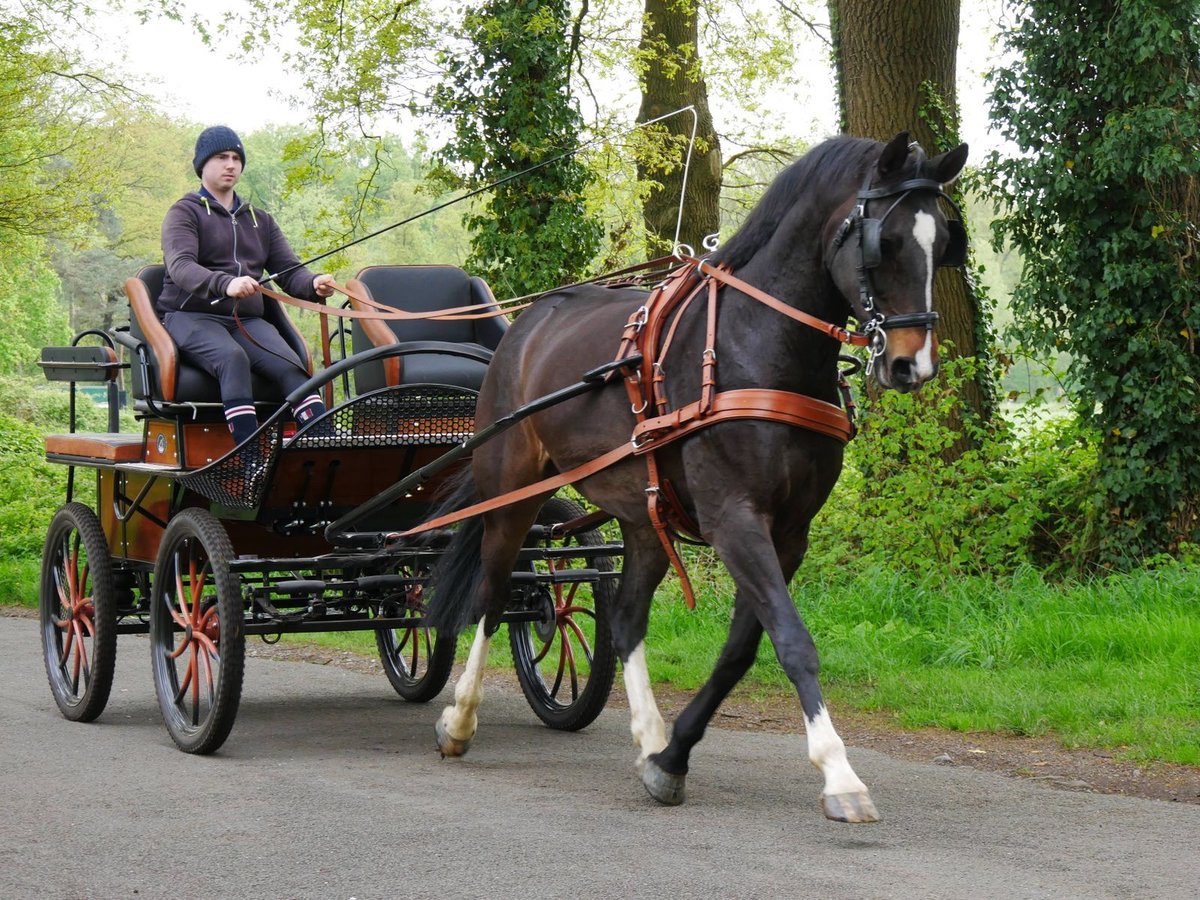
<point>507,98</point>
<point>1103,201</point>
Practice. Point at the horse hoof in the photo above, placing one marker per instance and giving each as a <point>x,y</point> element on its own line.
<point>448,746</point>
<point>855,808</point>
<point>664,787</point>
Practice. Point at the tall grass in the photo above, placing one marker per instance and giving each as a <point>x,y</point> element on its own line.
<point>1112,663</point>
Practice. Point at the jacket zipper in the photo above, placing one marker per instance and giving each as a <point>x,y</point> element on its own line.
<point>234,224</point>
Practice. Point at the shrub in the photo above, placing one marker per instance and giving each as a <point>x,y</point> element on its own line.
<point>1102,102</point>
<point>1017,498</point>
<point>31,489</point>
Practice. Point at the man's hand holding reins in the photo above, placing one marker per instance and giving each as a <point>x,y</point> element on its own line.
<point>242,286</point>
<point>323,285</point>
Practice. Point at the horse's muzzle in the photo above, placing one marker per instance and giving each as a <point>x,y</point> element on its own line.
<point>905,374</point>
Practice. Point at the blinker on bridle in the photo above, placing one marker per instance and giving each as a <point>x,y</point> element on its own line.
<point>870,254</point>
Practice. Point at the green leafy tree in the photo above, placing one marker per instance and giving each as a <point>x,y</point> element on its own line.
<point>672,78</point>
<point>1103,201</point>
<point>60,154</point>
<point>508,100</point>
<point>28,296</point>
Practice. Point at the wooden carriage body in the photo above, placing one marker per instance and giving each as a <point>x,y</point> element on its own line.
<point>199,542</point>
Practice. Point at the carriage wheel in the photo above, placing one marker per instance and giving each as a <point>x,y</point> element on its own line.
<point>196,641</point>
<point>78,612</point>
<point>566,662</point>
<point>417,660</point>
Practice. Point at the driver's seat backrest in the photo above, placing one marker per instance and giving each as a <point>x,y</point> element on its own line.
<point>172,379</point>
<point>423,289</point>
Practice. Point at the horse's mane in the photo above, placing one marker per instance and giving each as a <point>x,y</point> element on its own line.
<point>831,162</point>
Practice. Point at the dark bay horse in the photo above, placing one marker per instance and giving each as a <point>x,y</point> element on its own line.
<point>853,227</point>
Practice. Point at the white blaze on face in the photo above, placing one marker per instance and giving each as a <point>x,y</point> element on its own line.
<point>924,233</point>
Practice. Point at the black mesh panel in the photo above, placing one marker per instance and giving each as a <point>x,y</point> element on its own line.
<point>409,415</point>
<point>239,480</point>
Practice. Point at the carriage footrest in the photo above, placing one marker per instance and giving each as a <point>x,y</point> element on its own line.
<point>562,576</point>
<point>299,587</point>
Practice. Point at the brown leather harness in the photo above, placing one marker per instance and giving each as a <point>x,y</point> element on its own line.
<point>645,342</point>
<point>644,337</point>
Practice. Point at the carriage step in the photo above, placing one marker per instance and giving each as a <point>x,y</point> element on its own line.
<point>562,576</point>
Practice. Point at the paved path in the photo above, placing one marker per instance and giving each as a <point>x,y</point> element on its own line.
<point>329,787</point>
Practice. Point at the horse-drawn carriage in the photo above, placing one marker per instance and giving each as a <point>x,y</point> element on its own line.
<point>201,544</point>
<point>607,386</point>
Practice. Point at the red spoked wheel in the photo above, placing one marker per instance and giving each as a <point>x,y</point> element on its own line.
<point>417,660</point>
<point>565,661</point>
<point>197,642</point>
<point>78,612</point>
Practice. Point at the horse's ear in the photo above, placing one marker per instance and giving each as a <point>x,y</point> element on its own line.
<point>945,168</point>
<point>892,159</point>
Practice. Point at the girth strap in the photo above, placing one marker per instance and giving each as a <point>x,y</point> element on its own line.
<point>762,404</point>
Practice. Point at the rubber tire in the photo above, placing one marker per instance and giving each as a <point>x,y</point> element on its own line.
<point>199,529</point>
<point>584,709</point>
<point>438,664</point>
<point>75,518</point>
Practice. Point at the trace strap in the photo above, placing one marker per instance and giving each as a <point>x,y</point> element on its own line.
<point>652,434</point>
<point>644,347</point>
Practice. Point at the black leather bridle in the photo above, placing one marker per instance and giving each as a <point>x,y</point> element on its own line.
<point>870,254</point>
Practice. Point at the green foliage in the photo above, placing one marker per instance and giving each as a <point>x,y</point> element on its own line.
<point>1103,200</point>
<point>1015,498</point>
<point>507,98</point>
<point>56,152</point>
<point>31,489</point>
<point>62,154</point>
<point>29,296</point>
<point>363,61</point>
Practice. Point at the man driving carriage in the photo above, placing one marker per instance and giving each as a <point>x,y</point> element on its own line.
<point>216,247</point>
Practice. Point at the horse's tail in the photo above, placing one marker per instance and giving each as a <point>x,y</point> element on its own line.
<point>454,583</point>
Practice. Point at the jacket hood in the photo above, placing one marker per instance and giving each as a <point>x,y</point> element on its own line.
<point>211,206</point>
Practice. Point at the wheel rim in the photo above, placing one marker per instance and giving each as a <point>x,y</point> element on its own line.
<point>417,660</point>
<point>559,648</point>
<point>72,626</point>
<point>190,638</point>
<point>410,648</point>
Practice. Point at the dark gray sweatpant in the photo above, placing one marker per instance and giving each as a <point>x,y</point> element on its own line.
<point>216,345</point>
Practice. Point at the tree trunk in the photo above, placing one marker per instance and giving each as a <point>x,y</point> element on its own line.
<point>895,65</point>
<point>672,79</point>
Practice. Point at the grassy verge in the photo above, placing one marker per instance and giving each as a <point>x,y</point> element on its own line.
<point>1112,663</point>
<point>19,577</point>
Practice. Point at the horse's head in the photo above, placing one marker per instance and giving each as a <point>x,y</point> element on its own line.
<point>885,251</point>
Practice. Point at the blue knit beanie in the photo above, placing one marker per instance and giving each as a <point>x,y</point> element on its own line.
<point>216,140</point>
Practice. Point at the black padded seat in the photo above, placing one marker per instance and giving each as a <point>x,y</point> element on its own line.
<point>423,289</point>
<point>174,380</point>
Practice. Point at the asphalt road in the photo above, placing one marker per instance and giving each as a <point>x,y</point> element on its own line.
<point>330,787</point>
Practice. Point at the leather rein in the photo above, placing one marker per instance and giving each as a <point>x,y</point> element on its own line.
<point>645,342</point>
